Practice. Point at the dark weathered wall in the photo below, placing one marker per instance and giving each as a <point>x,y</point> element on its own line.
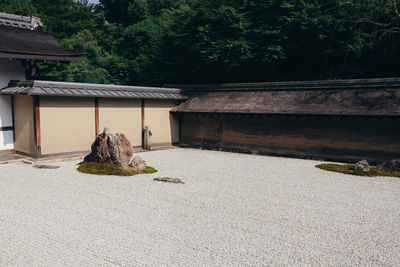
<point>319,137</point>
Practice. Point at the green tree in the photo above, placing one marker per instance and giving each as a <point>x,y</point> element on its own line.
<point>21,7</point>
<point>90,71</point>
<point>151,42</point>
<point>62,18</point>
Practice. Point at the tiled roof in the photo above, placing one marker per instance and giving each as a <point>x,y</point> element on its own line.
<point>18,21</point>
<point>21,37</point>
<point>20,43</point>
<point>293,85</point>
<point>369,97</point>
<point>49,88</point>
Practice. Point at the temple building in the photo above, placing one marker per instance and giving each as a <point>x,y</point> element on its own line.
<point>344,120</point>
<point>22,43</point>
<point>46,119</point>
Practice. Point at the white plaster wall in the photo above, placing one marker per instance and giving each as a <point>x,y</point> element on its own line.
<point>6,140</point>
<point>9,70</point>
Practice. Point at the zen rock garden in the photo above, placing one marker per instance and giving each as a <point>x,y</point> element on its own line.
<point>112,154</point>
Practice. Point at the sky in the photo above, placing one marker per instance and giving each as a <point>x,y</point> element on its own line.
<point>94,1</point>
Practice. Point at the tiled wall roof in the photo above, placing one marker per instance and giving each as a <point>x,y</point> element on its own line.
<point>361,97</point>
<point>51,88</point>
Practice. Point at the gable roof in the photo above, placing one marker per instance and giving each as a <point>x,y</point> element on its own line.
<point>27,44</point>
<point>22,38</point>
<point>372,97</point>
<point>50,88</point>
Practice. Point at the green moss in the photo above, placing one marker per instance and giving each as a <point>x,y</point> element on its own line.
<point>150,170</point>
<point>349,169</point>
<point>109,169</point>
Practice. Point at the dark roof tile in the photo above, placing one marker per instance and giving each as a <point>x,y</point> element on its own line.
<point>28,44</point>
<point>373,97</point>
<point>89,90</point>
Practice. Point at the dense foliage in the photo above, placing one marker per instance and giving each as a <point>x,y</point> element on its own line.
<point>151,42</point>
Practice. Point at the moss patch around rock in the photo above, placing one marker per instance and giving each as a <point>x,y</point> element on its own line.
<point>109,169</point>
<point>349,169</point>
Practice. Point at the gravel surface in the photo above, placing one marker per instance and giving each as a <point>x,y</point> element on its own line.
<point>233,209</point>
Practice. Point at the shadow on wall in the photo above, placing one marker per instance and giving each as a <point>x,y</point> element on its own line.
<point>174,126</point>
<point>163,125</point>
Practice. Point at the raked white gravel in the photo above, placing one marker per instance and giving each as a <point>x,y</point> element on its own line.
<point>233,209</point>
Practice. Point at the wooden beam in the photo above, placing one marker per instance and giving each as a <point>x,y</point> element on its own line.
<point>13,117</point>
<point>143,122</point>
<point>36,120</point>
<point>180,128</point>
<point>96,108</point>
<point>8,128</point>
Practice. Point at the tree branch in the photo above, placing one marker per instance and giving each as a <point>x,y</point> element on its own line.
<point>395,8</point>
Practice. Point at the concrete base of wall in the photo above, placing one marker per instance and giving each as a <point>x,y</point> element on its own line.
<point>7,152</point>
<point>81,154</point>
<point>10,158</point>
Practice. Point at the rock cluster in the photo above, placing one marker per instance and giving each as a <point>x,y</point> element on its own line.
<point>362,166</point>
<point>111,148</point>
<point>390,165</point>
<point>138,163</point>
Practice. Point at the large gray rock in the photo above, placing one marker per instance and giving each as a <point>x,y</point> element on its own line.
<point>390,165</point>
<point>138,163</point>
<point>362,166</point>
<point>111,148</point>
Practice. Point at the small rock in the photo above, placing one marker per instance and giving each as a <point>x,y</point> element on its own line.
<point>390,165</point>
<point>168,180</point>
<point>138,163</point>
<point>45,167</point>
<point>362,166</point>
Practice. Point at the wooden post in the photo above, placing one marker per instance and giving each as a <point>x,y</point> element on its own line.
<point>143,123</point>
<point>8,128</point>
<point>96,108</point>
<point>13,118</point>
<point>180,128</point>
<point>36,120</point>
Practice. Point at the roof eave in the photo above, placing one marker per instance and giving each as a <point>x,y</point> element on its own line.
<point>43,57</point>
<point>60,89</point>
<point>241,112</point>
<point>375,83</point>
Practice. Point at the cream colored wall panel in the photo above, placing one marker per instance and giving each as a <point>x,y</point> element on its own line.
<point>67,124</point>
<point>24,124</point>
<point>122,116</point>
<point>163,125</point>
